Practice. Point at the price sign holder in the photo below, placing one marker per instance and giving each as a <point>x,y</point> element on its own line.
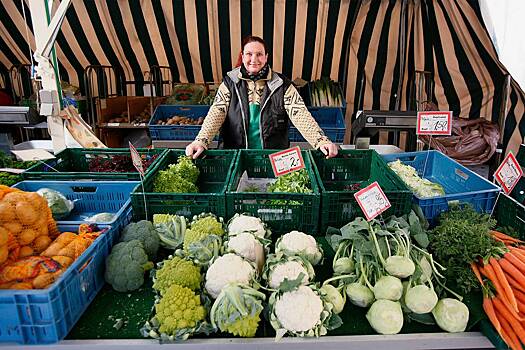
<point>434,123</point>
<point>287,161</point>
<point>137,163</point>
<point>372,201</point>
<point>508,173</point>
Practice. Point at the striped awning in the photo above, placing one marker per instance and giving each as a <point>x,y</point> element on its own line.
<point>200,40</point>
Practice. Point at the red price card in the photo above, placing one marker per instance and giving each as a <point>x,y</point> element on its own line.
<point>372,201</point>
<point>136,159</point>
<point>284,162</point>
<point>434,123</point>
<point>509,173</point>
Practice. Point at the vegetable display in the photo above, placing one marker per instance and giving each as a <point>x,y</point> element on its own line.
<point>118,163</point>
<point>501,276</point>
<point>326,93</point>
<point>421,187</point>
<point>178,178</point>
<point>385,266</point>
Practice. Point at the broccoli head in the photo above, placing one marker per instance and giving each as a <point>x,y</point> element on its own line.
<point>125,266</point>
<point>177,271</point>
<point>145,232</point>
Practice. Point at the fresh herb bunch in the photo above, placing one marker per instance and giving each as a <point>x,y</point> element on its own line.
<point>294,182</point>
<point>9,179</point>
<point>462,237</point>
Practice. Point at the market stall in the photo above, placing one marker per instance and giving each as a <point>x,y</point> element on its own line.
<point>124,247</point>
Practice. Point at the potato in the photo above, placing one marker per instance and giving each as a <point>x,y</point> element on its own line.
<point>7,214</point>
<point>41,243</point>
<point>26,251</point>
<point>27,236</point>
<point>26,213</point>
<point>65,261</point>
<point>14,227</point>
<point>4,253</point>
<point>4,235</point>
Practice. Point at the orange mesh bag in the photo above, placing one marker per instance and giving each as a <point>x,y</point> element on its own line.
<point>34,272</point>
<point>27,217</point>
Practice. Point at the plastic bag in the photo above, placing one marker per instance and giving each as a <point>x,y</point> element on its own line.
<point>473,141</point>
<point>60,206</point>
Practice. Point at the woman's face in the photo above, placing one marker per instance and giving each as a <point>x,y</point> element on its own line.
<point>254,57</point>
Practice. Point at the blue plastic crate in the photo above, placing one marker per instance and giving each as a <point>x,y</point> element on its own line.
<point>330,119</point>
<point>90,198</point>
<point>176,132</point>
<point>44,316</point>
<point>461,184</point>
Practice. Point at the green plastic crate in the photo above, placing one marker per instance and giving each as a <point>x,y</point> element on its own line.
<point>215,169</point>
<point>511,213</point>
<point>362,167</point>
<point>73,164</point>
<point>300,211</point>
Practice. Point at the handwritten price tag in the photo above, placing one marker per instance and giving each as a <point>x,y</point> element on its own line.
<point>372,201</point>
<point>434,123</point>
<point>509,173</point>
<point>286,161</point>
<point>136,159</point>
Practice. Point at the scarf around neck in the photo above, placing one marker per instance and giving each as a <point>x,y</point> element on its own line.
<point>258,76</point>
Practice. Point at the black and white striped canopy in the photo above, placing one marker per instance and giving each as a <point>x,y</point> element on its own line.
<point>200,40</point>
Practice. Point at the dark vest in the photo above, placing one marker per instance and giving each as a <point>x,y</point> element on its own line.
<point>273,121</point>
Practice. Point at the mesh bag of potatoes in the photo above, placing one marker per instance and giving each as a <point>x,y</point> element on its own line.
<point>26,224</point>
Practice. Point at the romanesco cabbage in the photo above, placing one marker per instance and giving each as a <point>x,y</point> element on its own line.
<point>177,271</point>
<point>202,240</point>
<point>236,310</point>
<point>178,310</point>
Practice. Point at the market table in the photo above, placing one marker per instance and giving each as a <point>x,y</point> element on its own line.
<point>469,340</point>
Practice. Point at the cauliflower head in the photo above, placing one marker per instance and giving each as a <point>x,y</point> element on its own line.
<point>300,244</point>
<point>299,310</point>
<point>125,266</point>
<point>240,223</point>
<point>229,268</point>
<point>178,310</point>
<point>289,270</point>
<point>245,245</point>
<point>145,232</point>
<point>177,271</point>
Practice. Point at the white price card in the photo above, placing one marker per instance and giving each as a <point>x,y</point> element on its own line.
<point>372,200</point>
<point>136,159</point>
<point>287,161</point>
<point>509,173</point>
<point>434,123</point>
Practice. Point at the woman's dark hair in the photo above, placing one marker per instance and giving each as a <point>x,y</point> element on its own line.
<point>252,38</point>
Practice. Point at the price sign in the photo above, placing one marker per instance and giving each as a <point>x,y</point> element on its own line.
<point>434,123</point>
<point>372,201</point>
<point>509,173</point>
<point>136,159</point>
<point>286,161</point>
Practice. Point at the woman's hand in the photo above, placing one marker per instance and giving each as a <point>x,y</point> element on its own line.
<point>194,150</point>
<point>330,150</point>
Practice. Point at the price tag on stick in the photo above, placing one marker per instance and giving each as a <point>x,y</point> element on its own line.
<point>136,159</point>
<point>434,123</point>
<point>509,173</point>
<point>284,162</point>
<point>372,201</point>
